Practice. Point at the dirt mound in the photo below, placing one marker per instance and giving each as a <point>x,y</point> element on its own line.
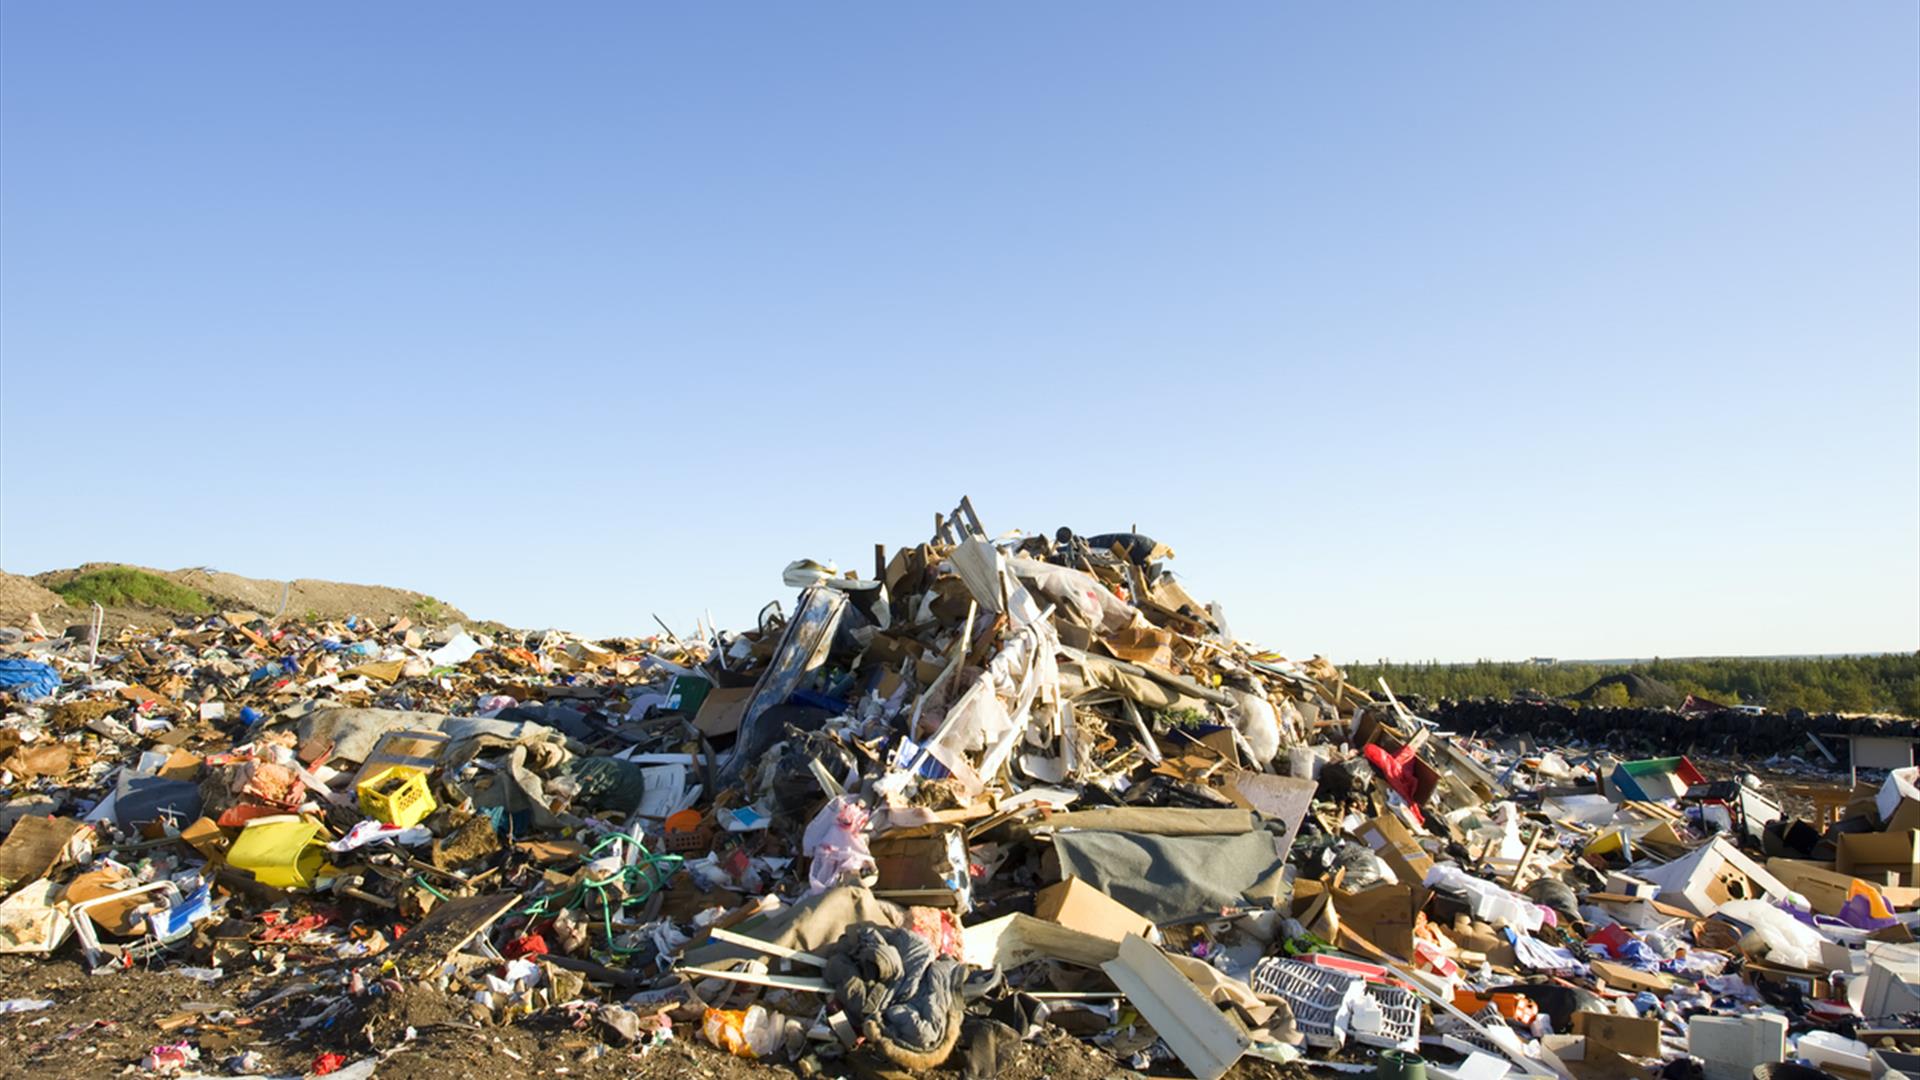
<point>301,598</point>
<point>23,596</point>
<point>1641,691</point>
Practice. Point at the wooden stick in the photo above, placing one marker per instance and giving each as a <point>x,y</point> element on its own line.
<point>671,636</point>
<point>626,980</point>
<point>767,947</point>
<point>1513,879</point>
<point>784,982</point>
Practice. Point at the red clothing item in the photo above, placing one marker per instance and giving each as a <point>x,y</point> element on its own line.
<point>1394,768</point>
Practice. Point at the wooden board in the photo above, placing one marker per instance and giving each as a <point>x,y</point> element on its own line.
<point>446,930</point>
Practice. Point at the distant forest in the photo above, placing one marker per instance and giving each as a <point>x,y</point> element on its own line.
<point>1847,684</point>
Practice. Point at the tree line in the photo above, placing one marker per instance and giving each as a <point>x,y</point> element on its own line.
<point>1887,683</point>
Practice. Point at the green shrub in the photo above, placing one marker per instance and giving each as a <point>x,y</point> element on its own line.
<point>122,586</point>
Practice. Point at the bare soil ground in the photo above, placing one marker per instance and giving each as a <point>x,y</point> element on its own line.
<point>22,596</point>
<point>103,1025</point>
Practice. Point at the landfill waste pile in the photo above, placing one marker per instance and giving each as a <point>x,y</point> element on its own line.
<point>1004,801</point>
<point>1718,730</point>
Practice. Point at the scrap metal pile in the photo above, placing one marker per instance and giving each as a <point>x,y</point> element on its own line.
<point>1000,787</point>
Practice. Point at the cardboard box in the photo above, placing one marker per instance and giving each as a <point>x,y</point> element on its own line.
<point>1627,885</point>
<point>1634,1036</point>
<point>1825,888</point>
<point>1079,906</point>
<point>1716,873</point>
<point>925,865</point>
<point>1393,843</point>
<point>1898,801</point>
<point>1382,915</point>
<point>1862,854</point>
<point>1731,1046</point>
<point>722,710</point>
<point>1475,936</point>
<point>1814,984</point>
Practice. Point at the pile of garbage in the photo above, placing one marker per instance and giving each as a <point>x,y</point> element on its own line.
<point>1720,731</point>
<point>1001,788</point>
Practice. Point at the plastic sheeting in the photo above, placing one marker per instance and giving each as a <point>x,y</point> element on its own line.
<point>28,680</point>
<point>1166,878</point>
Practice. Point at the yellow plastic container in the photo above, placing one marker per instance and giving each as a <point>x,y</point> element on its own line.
<point>396,795</point>
<point>283,852</point>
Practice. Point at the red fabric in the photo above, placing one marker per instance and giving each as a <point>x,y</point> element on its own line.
<point>1393,769</point>
<point>1614,938</point>
<point>526,945</point>
<point>278,928</point>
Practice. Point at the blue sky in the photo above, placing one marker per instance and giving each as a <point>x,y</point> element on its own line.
<point>1419,331</point>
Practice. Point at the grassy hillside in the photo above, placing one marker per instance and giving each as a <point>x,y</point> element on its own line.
<point>123,586</point>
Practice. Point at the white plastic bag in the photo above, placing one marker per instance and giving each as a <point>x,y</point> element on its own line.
<point>1776,936</point>
<point>836,841</point>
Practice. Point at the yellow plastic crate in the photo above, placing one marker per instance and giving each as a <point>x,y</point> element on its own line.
<point>396,795</point>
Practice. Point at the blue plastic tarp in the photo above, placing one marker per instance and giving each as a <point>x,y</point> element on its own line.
<point>28,680</point>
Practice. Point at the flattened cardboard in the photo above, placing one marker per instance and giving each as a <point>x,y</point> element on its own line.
<point>205,837</point>
<point>414,749</point>
<point>115,916</point>
<point>1079,906</point>
<point>1017,939</point>
<point>1622,977</point>
<point>33,848</point>
<point>181,765</point>
<point>1278,798</point>
<point>722,710</point>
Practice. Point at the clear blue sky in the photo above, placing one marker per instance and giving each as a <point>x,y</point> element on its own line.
<point>1418,330</point>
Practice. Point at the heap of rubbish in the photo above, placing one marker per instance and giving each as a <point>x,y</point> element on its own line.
<point>999,789</point>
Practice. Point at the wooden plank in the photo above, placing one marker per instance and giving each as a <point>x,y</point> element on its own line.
<point>1206,1040</point>
<point>767,947</point>
<point>1513,880</point>
<point>446,930</point>
<point>784,982</point>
